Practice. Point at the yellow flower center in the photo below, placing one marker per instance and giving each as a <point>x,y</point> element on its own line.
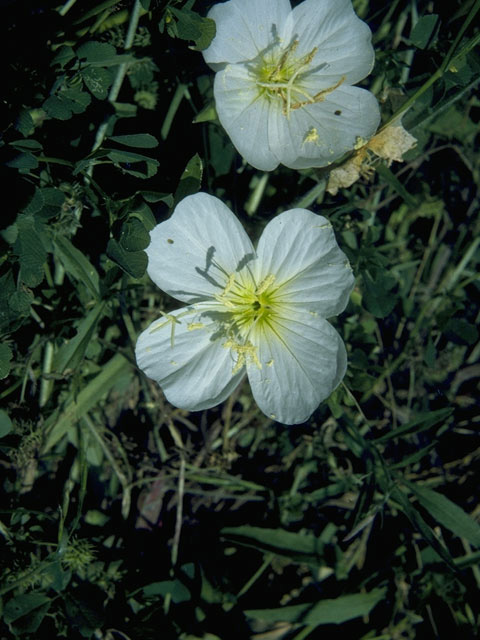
<point>280,77</point>
<point>249,304</point>
<point>250,307</point>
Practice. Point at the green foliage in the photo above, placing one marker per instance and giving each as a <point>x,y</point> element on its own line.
<point>222,523</point>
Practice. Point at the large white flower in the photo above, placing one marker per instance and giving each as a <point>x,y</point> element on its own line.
<point>261,311</point>
<point>283,88</point>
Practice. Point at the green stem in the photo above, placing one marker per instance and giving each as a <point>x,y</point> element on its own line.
<point>451,57</point>
<point>119,78</point>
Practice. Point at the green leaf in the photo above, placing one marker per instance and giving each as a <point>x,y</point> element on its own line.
<point>71,354</point>
<point>132,262</point>
<point>447,513</point>
<point>191,26</point>
<point>416,519</point>
<point>461,331</point>
<point>5,423</point>
<point>77,265</point>
<point>36,203</point>
<point>328,611</point>
<point>24,123</point>
<point>69,101</point>
<point>156,196</point>
<point>143,212</point>
<point>57,108</point>
<point>64,55</point>
<point>392,180</point>
<point>91,394</point>
<point>5,358</point>
<point>26,145</point>
<point>22,605</point>
<point>124,159</point>
<point>98,81</point>
<point>421,423</point>
<point>139,140</point>
<point>30,250</point>
<point>423,30</point>
<point>96,52</point>
<point>174,588</point>
<point>23,161</point>
<point>19,302</point>
<point>304,547</point>
<point>134,236</point>
<point>377,296</point>
<point>53,200</point>
<point>190,179</point>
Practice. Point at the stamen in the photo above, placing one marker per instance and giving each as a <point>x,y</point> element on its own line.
<point>282,80</point>
<point>265,284</point>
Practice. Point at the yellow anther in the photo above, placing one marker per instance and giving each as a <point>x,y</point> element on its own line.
<point>265,284</point>
<point>195,325</point>
<point>311,136</point>
<point>242,351</point>
<point>229,285</point>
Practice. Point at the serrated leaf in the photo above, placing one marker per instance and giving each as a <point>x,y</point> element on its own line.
<point>139,140</point>
<point>64,55</point>
<point>156,196</point>
<point>377,296</point>
<point>22,605</point>
<point>143,212</point>
<point>19,302</point>
<point>327,611</point>
<point>125,159</point>
<point>423,30</point>
<point>23,161</point>
<point>53,201</point>
<point>5,423</point>
<point>447,513</point>
<point>57,108</point>
<point>191,26</point>
<point>35,204</point>
<point>79,100</point>
<point>24,123</point>
<point>132,262</point>
<point>5,361</point>
<point>459,330</point>
<point>26,145</point>
<point>96,51</point>
<point>69,101</point>
<point>134,236</point>
<point>30,250</point>
<point>77,265</point>
<point>98,81</point>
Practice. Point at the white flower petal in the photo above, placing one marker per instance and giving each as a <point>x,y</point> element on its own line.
<point>244,115</point>
<point>303,360</point>
<point>318,134</point>
<point>299,248</point>
<point>343,40</point>
<point>191,255</point>
<point>196,372</point>
<point>245,28</point>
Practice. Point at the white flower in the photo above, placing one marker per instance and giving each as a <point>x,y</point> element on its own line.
<point>261,311</point>
<point>283,88</point>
